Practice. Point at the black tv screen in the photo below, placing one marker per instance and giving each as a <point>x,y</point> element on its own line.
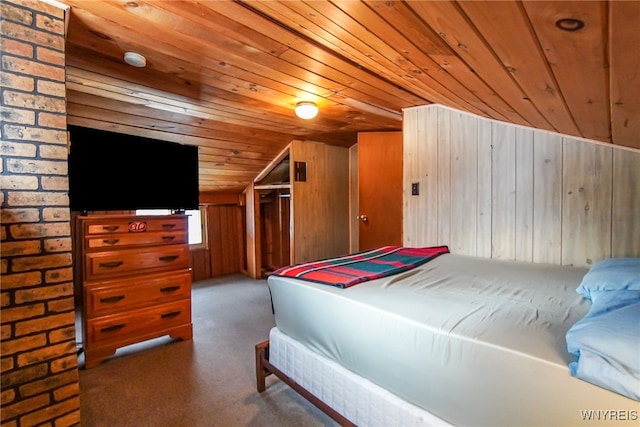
<point>111,171</point>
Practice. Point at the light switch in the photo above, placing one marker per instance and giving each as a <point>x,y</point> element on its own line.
<point>415,189</point>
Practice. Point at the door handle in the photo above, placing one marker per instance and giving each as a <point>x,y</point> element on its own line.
<point>363,218</point>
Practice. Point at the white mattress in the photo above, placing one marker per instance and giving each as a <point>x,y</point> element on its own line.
<point>357,399</point>
<point>471,340</point>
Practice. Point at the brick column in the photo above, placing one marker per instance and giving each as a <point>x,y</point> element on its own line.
<point>37,324</point>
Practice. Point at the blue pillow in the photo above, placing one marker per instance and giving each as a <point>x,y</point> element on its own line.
<point>611,275</point>
<point>606,342</point>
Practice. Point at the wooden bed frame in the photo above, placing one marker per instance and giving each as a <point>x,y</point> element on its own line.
<point>264,368</point>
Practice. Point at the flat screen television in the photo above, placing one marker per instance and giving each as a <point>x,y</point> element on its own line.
<point>110,171</point>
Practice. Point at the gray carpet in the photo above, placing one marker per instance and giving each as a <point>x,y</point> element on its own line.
<point>209,381</point>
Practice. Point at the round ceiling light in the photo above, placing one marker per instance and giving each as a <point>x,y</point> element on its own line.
<point>570,24</point>
<point>306,110</point>
<point>135,59</point>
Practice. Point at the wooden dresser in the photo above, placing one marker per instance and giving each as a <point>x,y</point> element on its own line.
<point>136,281</point>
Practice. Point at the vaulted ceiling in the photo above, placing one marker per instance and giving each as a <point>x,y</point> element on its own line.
<point>226,75</point>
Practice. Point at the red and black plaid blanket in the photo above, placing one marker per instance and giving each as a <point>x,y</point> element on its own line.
<point>352,269</point>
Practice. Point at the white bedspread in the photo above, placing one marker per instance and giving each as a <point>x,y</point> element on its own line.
<point>473,341</point>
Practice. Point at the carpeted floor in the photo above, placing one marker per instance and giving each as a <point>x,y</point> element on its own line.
<point>208,381</point>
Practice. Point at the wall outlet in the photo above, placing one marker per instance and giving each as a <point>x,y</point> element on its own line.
<point>415,189</point>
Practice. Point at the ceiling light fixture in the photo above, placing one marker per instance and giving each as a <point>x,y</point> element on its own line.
<point>135,59</point>
<point>570,24</point>
<point>306,110</point>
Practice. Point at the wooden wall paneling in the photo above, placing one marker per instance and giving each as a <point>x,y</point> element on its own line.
<point>420,215</point>
<point>547,198</point>
<point>411,221</point>
<point>292,204</point>
<point>227,240</point>
<point>587,201</point>
<point>211,198</point>
<point>252,221</point>
<point>503,192</point>
<point>463,176</point>
<point>308,207</point>
<point>428,174</point>
<point>241,250</point>
<point>222,245</point>
<point>539,197</point>
<point>238,246</point>
<point>200,264</point>
<point>254,263</point>
<point>625,230</point>
<point>484,212</point>
<point>354,233</point>
<point>229,237</point>
<point>320,204</point>
<point>444,174</point>
<point>223,237</point>
<point>524,195</point>
<point>240,241</point>
<point>215,243</point>
<point>236,264</point>
<point>337,199</point>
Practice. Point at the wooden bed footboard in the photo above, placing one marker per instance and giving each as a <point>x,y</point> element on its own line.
<point>262,363</point>
<point>264,368</point>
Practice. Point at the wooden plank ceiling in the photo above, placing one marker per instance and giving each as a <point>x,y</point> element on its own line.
<point>226,75</point>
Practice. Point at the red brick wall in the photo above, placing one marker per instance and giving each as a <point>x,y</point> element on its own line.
<point>37,325</point>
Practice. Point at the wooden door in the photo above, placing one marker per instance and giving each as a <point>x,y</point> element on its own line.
<point>379,189</point>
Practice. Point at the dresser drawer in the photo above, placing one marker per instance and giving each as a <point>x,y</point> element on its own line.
<point>136,239</point>
<point>114,296</point>
<point>115,263</point>
<point>134,225</point>
<point>117,328</point>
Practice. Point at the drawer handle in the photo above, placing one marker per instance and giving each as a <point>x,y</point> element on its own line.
<point>167,238</point>
<point>169,289</point>
<point>111,241</point>
<point>110,300</point>
<point>170,315</point>
<point>113,328</point>
<point>110,227</point>
<point>112,264</point>
<point>168,226</point>
<point>169,258</point>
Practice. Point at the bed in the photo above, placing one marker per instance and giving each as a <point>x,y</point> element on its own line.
<point>456,340</point>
